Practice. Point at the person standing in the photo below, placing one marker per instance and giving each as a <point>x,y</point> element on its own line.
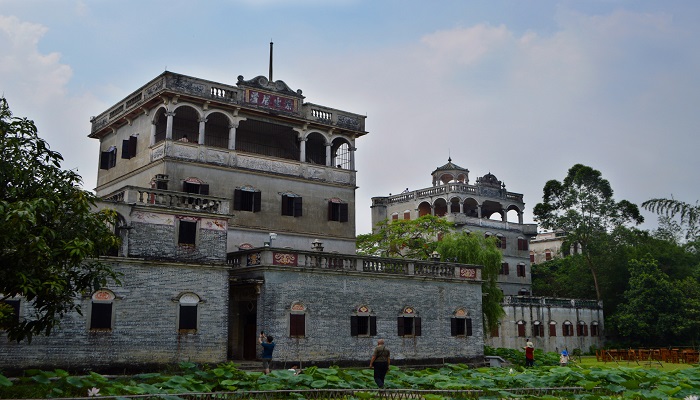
<point>380,362</point>
<point>564,358</point>
<point>267,346</point>
<point>529,354</point>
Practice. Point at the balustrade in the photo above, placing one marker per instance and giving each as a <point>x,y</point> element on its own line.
<point>165,198</point>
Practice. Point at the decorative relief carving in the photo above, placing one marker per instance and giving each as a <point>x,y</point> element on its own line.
<point>216,156</point>
<point>253,259</point>
<point>348,122</point>
<point>214,224</point>
<point>284,259</point>
<point>186,152</point>
<point>151,90</point>
<point>188,85</point>
<point>153,218</point>
<point>267,165</point>
<point>467,273</point>
<point>158,152</point>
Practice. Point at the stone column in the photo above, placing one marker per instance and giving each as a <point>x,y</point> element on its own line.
<point>169,125</point>
<point>505,215</point>
<point>202,124</point>
<point>520,217</point>
<point>432,209</point>
<point>478,209</point>
<point>302,149</point>
<point>352,158</point>
<point>328,155</point>
<point>232,135</point>
<point>153,133</point>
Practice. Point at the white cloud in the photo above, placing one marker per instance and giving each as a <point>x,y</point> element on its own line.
<point>34,85</point>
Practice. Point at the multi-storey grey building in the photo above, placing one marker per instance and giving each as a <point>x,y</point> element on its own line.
<point>236,209</point>
<point>488,208</point>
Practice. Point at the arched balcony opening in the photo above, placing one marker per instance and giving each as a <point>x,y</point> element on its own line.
<point>341,154</point>
<point>446,178</point>
<point>267,139</point>
<point>161,122</point>
<point>316,149</point>
<point>216,131</point>
<point>186,124</point>
<point>424,209</point>
<point>492,210</point>
<point>462,178</point>
<point>454,205</point>
<point>471,208</point>
<point>440,207</point>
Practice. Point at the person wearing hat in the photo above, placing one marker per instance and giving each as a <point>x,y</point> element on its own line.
<point>529,354</point>
<point>564,358</point>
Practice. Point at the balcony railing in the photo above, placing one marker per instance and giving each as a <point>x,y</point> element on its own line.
<point>553,302</point>
<point>287,258</point>
<point>170,199</point>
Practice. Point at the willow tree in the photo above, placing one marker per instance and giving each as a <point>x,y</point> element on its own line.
<point>476,249</point>
<point>582,205</point>
<point>50,236</point>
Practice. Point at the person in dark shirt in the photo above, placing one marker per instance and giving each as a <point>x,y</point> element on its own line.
<point>267,346</point>
<point>380,361</point>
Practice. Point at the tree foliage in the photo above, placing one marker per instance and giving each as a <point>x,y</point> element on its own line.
<point>415,239</point>
<point>582,205</point>
<point>50,237</point>
<point>476,249</point>
<point>688,214</point>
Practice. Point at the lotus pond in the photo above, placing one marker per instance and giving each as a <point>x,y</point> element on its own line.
<point>609,382</point>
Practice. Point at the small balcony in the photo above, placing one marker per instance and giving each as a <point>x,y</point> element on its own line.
<point>170,199</point>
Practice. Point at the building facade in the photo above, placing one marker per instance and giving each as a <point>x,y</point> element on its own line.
<point>487,208</point>
<point>236,208</point>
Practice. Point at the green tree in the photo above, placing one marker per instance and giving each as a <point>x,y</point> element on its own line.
<point>476,249</point>
<point>50,237</point>
<point>688,214</point>
<point>583,206</point>
<point>646,322</point>
<point>415,239</point>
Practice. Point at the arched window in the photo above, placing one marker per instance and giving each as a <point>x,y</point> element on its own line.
<point>188,315</point>
<point>461,323</point>
<point>595,329</point>
<point>552,328</point>
<point>521,328</point>
<point>363,323</point>
<point>102,310</point>
<point>537,329</point>
<point>581,329</point>
<point>297,320</point>
<point>567,329</point>
<point>409,323</point>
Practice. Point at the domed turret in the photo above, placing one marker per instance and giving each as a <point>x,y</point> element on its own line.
<point>450,173</point>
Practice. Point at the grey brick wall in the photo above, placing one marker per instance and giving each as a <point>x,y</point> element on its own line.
<point>145,323</point>
<point>160,242</point>
<point>331,299</point>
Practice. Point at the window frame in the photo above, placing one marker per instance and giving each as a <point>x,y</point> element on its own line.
<point>567,329</point>
<point>188,313</point>
<point>595,329</point>
<point>297,320</point>
<point>338,210</point>
<point>363,318</point>
<point>521,325</point>
<point>408,319</point>
<point>187,237</point>
<point>537,329</point>
<point>521,270</point>
<point>129,147</point>
<point>108,159</point>
<point>552,329</point>
<point>291,205</point>
<point>505,269</point>
<point>461,324</point>
<point>104,299</point>
<point>247,199</point>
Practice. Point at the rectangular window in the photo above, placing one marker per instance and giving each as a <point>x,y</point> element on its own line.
<point>129,147</point>
<point>547,255</point>
<point>501,242</point>
<point>521,270</point>
<point>538,330</point>
<point>567,330</point>
<point>195,188</point>
<point>188,317</point>
<point>505,269</point>
<point>291,205</point>
<point>553,330</point>
<point>108,159</point>
<point>394,217</point>
<point>522,244</point>
<point>101,316</point>
<point>14,318</point>
<point>407,215</point>
<point>521,329</point>
<point>409,326</point>
<point>246,200</point>
<point>532,258</point>
<point>461,326</point>
<point>581,330</point>
<point>494,331</point>
<point>363,325</point>
<point>297,325</point>
<point>187,234</point>
<point>337,211</point>
<point>594,330</point>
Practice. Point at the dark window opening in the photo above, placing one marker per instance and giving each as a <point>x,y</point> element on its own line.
<point>187,234</point>
<point>291,206</point>
<point>505,269</point>
<point>216,131</point>
<point>297,325</point>
<point>195,188</point>
<point>363,325</point>
<point>101,316</point>
<point>188,317</point>
<point>594,330</point>
<point>537,330</point>
<point>129,147</point>
<point>552,329</point>
<point>268,139</point>
<point>461,326</point>
<point>501,242</point>
<point>337,211</point>
<point>108,159</point>
<point>567,329</point>
<point>409,326</point>
<point>246,200</point>
<point>522,244</point>
<point>582,329</point>
<point>521,329</point>
<point>521,270</point>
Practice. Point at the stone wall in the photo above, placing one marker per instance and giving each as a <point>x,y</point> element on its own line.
<point>145,329</point>
<point>331,299</point>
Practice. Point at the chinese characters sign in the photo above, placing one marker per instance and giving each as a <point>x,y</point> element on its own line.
<point>271,101</point>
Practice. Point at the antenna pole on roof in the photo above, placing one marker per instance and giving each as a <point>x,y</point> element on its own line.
<point>270,61</point>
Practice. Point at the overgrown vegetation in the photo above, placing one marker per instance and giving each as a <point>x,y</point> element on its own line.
<point>618,382</point>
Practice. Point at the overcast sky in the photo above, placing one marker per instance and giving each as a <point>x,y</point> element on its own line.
<point>522,89</point>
